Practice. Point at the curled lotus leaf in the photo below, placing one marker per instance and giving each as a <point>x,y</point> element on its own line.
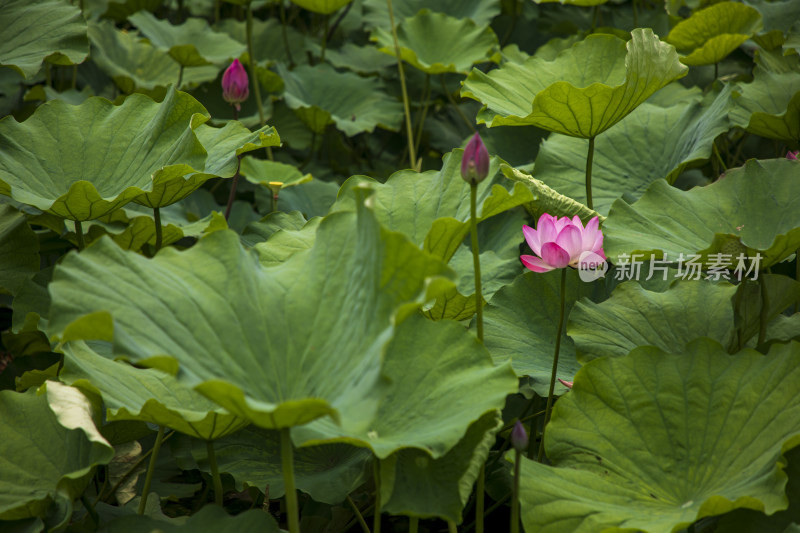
<point>288,359</point>
<point>585,90</point>
<point>654,441</point>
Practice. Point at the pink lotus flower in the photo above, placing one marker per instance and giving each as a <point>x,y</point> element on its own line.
<point>793,155</point>
<point>562,242</point>
<point>475,163</point>
<point>235,85</point>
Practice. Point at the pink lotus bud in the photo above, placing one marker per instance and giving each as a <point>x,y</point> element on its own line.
<point>235,85</point>
<point>567,384</point>
<point>793,155</point>
<point>475,163</point>
<point>519,438</point>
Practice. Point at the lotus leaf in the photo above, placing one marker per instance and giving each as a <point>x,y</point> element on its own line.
<point>757,205</point>
<point>192,43</point>
<point>263,172</point>
<point>521,322</point>
<point>460,385</point>
<point>687,310</point>
<point>47,30</point>
<point>413,484</point>
<point>209,518</point>
<point>100,156</point>
<point>584,3</point>
<point>285,243</point>
<point>135,64</point>
<point>320,96</point>
<point>587,89</point>
<point>480,11</point>
<point>436,43</point>
<point>267,39</point>
<point>770,105</point>
<point>327,473</point>
<point>145,394</point>
<point>50,446</point>
<point>265,228</point>
<point>325,7</point>
<point>685,133</point>
<point>714,32</point>
<point>272,325</point>
<point>654,441</point>
<point>19,250</point>
<point>361,59</point>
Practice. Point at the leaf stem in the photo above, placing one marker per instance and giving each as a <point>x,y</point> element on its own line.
<point>764,318</point>
<point>212,462</point>
<point>287,464</point>
<point>426,94</point>
<point>412,154</point>
<point>79,235</point>
<point>150,469</point>
<point>233,187</point>
<point>251,61</point>
<point>515,494</point>
<point>180,78</point>
<point>157,222</point>
<point>413,524</point>
<point>285,36</point>
<point>452,100</point>
<point>549,407</point>
<point>589,158</point>
<point>324,36</point>
<point>451,527</point>
<point>476,260</point>
<point>376,522</point>
<point>359,516</point>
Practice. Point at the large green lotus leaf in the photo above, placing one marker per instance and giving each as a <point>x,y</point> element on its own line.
<point>362,59</point>
<point>209,518</point>
<point>192,43</point>
<point>263,229</point>
<point>634,316</point>
<point>587,89</point>
<point>770,105</point>
<point>47,30</point>
<point>136,64</point>
<point>460,385</point>
<point>684,134</point>
<point>758,204</point>
<point>320,95</point>
<point>747,521</point>
<point>99,156</point>
<point>263,172</point>
<point>327,473</point>
<point>413,484</point>
<point>283,244</point>
<point>289,358</point>
<point>547,200</point>
<point>432,207</point>
<point>19,250</point>
<point>710,34</point>
<point>781,293</point>
<point>325,7</point>
<point>436,43</point>
<point>150,395</point>
<point>480,11</point>
<point>521,321</point>
<point>653,441</point>
<point>49,448</point>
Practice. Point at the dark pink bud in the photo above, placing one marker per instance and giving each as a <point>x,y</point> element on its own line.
<point>567,384</point>
<point>235,85</point>
<point>475,164</point>
<point>519,438</point>
<point>793,155</point>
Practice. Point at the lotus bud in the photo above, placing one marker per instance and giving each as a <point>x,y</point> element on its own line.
<point>793,155</point>
<point>475,163</point>
<point>519,438</point>
<point>235,85</point>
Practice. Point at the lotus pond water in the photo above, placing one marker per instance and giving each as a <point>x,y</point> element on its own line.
<point>347,266</point>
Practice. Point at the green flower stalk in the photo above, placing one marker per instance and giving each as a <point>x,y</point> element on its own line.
<point>519,441</point>
<point>474,169</point>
